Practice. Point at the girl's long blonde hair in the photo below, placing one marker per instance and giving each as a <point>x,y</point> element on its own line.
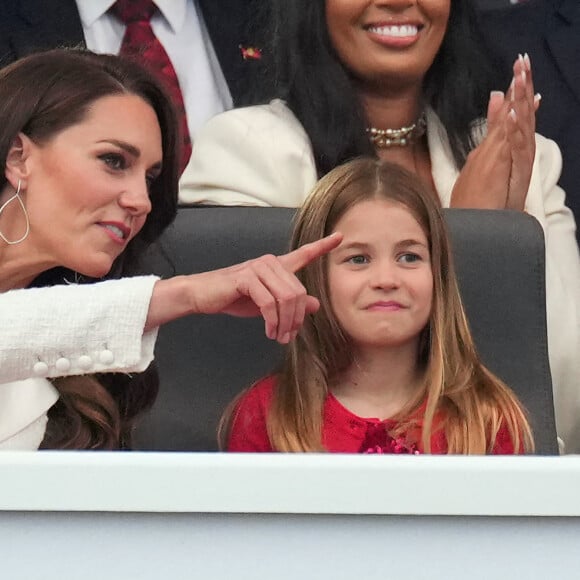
<point>470,400</point>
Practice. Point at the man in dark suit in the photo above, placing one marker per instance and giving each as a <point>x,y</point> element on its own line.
<point>204,47</point>
<point>32,25</point>
<point>549,31</point>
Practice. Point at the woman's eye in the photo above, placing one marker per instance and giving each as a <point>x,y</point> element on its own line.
<point>357,260</point>
<point>150,179</point>
<point>114,161</point>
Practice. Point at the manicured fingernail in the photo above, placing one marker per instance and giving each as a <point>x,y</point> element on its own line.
<point>521,59</point>
<point>524,76</point>
<point>527,61</point>
<point>496,94</point>
<point>285,339</point>
<point>537,97</point>
<point>513,90</point>
<point>512,114</point>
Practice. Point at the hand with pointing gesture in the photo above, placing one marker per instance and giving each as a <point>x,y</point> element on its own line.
<point>264,286</point>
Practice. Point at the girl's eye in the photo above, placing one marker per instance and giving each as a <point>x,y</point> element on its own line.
<point>114,161</point>
<point>357,260</point>
<point>409,258</point>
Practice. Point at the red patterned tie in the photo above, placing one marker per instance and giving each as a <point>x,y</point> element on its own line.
<point>140,43</point>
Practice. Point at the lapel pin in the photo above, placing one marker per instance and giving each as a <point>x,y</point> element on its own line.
<point>251,53</point>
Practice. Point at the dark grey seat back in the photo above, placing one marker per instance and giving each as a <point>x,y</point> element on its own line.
<point>205,361</point>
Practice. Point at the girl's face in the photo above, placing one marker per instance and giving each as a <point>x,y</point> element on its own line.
<point>394,40</point>
<point>86,190</point>
<point>380,279</point>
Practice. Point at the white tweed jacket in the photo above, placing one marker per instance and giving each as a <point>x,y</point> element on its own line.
<point>66,330</point>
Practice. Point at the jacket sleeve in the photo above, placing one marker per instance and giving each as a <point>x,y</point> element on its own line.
<point>256,156</point>
<point>76,329</point>
<point>547,202</point>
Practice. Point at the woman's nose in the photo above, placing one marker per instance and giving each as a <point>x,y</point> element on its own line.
<point>135,198</point>
<point>394,4</point>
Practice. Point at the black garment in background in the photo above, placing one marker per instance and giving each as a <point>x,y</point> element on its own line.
<point>549,31</point>
<point>492,4</point>
<point>28,26</point>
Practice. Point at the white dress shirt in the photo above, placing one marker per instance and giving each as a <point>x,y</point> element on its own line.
<point>181,30</point>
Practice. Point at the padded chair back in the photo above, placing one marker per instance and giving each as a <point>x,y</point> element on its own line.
<point>205,361</point>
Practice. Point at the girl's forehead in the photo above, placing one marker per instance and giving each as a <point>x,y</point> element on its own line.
<point>371,209</point>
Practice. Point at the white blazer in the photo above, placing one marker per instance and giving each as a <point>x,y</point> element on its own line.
<point>262,156</point>
<point>66,330</point>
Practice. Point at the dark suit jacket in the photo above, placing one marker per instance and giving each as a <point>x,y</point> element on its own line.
<point>28,26</point>
<point>549,31</point>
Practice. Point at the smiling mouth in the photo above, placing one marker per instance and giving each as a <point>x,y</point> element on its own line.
<point>402,31</point>
<point>390,306</point>
<point>117,232</point>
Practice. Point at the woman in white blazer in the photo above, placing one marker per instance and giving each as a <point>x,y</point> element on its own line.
<point>88,144</point>
<point>406,81</point>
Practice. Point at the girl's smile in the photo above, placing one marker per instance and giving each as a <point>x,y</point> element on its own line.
<point>380,278</point>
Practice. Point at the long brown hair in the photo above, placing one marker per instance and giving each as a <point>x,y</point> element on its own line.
<point>42,95</point>
<point>472,401</point>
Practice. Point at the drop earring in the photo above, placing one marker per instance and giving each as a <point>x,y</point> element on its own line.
<point>16,197</point>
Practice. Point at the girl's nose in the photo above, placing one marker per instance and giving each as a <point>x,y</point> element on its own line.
<point>385,275</point>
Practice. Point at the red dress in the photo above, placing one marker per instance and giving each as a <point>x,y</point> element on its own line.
<point>342,431</point>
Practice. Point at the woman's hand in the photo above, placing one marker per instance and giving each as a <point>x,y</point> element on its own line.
<point>497,173</point>
<point>264,286</point>
<point>484,180</point>
<point>521,132</point>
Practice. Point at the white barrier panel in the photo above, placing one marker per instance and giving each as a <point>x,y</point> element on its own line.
<point>167,515</point>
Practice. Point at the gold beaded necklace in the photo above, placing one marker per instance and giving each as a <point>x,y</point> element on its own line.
<point>385,138</point>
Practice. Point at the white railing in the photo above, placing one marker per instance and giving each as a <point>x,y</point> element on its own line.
<point>188,515</point>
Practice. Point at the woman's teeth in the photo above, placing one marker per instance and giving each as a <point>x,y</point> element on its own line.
<point>398,31</point>
<point>117,231</point>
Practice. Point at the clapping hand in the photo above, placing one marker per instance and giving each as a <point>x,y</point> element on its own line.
<point>497,172</point>
<point>521,128</point>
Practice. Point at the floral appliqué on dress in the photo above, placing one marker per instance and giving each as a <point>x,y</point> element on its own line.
<point>378,440</point>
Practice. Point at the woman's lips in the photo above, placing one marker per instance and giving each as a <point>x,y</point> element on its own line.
<point>117,231</point>
<point>394,35</point>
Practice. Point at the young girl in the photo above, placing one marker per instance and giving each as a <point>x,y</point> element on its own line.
<point>387,364</point>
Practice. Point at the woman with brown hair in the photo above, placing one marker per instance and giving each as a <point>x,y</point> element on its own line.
<point>89,149</point>
<point>387,364</point>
